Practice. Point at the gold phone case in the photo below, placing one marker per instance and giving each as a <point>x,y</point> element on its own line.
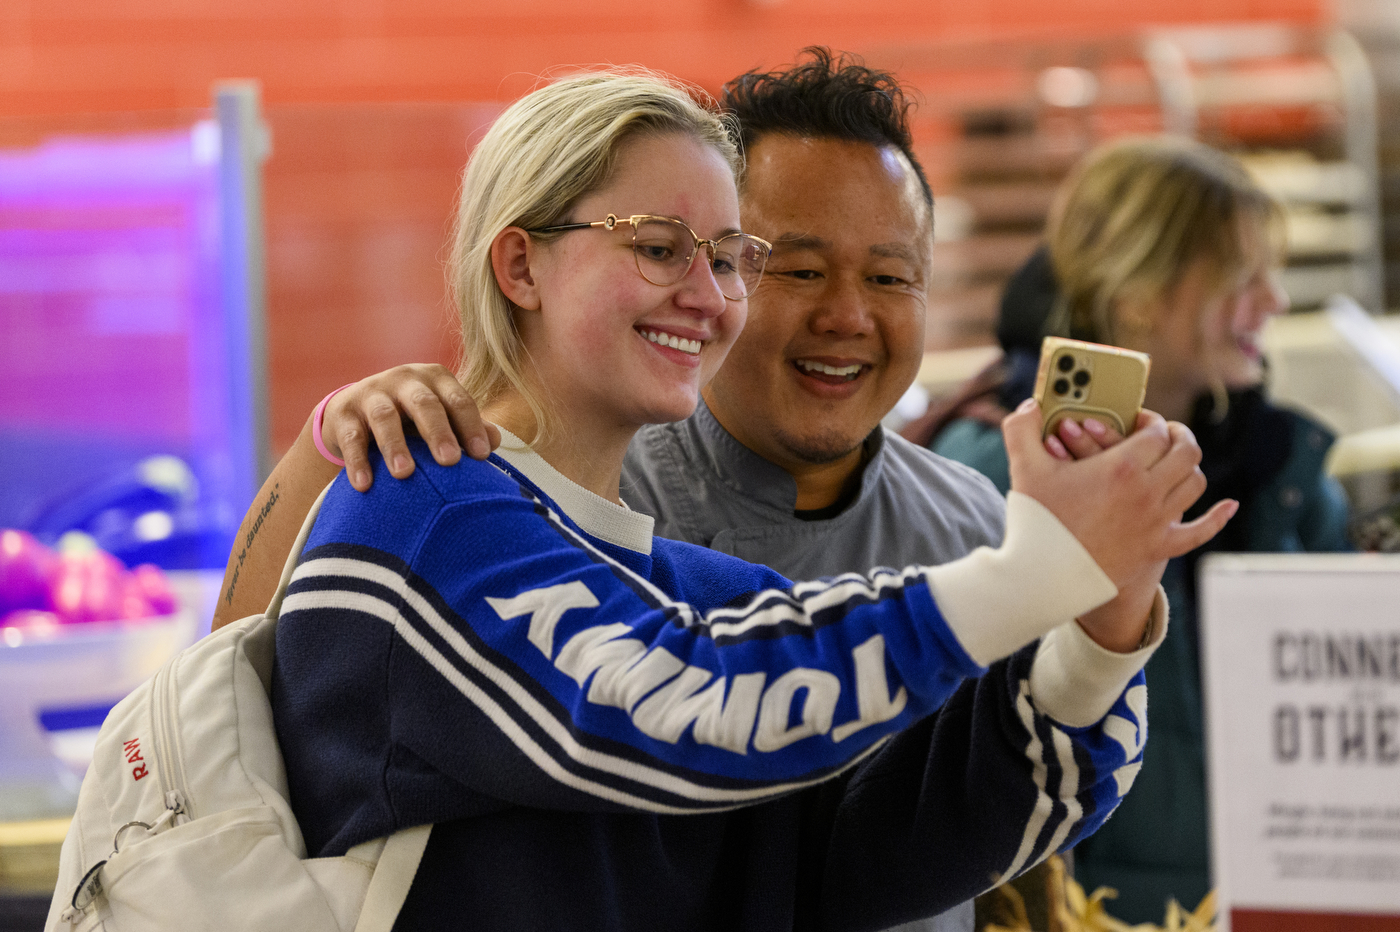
<point>1080,380</point>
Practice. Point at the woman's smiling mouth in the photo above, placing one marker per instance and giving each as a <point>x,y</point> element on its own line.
<point>662,338</point>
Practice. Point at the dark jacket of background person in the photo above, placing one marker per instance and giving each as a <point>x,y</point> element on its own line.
<point>1156,846</point>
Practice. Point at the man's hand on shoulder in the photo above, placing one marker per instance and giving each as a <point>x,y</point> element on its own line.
<point>424,395</point>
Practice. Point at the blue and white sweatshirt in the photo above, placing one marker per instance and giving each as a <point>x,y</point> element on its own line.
<point>617,733</point>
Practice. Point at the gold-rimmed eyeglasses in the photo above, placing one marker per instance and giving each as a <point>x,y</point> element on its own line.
<point>665,248</point>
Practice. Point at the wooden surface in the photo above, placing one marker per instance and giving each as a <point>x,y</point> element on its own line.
<point>29,855</point>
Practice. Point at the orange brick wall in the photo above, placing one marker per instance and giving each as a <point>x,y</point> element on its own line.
<point>358,198</point>
<point>79,55</point>
<point>372,103</point>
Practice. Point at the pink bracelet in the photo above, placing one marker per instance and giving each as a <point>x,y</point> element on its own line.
<point>316,426</point>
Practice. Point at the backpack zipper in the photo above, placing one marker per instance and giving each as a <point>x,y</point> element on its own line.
<point>169,754</point>
<point>169,761</point>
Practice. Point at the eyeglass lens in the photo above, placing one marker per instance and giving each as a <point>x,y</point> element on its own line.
<point>664,249</point>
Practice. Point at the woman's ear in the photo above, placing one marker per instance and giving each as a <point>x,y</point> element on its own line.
<point>512,253</point>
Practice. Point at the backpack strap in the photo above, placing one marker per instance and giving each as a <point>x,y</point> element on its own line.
<point>394,874</point>
<point>274,608</point>
<point>398,862</point>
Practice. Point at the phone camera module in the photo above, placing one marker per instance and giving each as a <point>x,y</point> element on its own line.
<point>1061,386</point>
<point>1081,378</point>
<point>1065,363</point>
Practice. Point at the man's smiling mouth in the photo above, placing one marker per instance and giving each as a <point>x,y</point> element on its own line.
<point>840,373</point>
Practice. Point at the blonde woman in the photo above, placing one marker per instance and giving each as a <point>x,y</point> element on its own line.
<point>611,732</point>
<point>1167,246</point>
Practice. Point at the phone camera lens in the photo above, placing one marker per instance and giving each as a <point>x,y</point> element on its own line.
<point>1065,363</point>
<point>1061,386</point>
<point>1081,378</point>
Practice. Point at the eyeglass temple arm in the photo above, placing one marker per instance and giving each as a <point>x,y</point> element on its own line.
<point>609,222</point>
<point>564,227</point>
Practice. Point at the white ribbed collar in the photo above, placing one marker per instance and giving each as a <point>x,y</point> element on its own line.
<point>605,520</point>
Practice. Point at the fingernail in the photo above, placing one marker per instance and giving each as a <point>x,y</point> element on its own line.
<point>1094,427</point>
<point>1071,426</point>
<point>401,464</point>
<point>1056,448</point>
<point>1025,405</point>
<point>361,480</point>
<point>447,452</point>
<point>478,448</point>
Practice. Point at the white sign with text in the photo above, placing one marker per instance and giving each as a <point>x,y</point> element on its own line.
<point>1301,657</point>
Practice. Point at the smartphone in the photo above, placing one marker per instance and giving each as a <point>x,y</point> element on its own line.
<point>1083,380</point>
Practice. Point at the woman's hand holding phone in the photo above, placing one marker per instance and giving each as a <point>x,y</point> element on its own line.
<point>1123,501</point>
<point>1072,439</point>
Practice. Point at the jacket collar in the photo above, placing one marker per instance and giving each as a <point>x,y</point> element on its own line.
<point>741,470</point>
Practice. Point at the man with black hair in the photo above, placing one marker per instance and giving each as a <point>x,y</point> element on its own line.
<point>785,461</point>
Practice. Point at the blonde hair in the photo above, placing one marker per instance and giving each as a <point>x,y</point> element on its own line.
<point>1137,214</point>
<point>546,151</point>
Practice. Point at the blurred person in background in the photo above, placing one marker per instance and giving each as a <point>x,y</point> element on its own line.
<point>784,461</point>
<point>1166,246</point>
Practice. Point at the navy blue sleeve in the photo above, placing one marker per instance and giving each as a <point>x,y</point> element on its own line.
<point>972,796</point>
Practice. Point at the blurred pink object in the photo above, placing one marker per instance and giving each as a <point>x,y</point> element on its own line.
<point>89,586</point>
<point>78,584</point>
<point>156,588</point>
<point>27,570</point>
<point>134,601</point>
<point>31,621</point>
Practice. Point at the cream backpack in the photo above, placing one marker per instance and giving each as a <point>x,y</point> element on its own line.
<point>183,820</point>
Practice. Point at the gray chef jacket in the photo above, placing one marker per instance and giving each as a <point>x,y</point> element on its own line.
<point>705,487</point>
